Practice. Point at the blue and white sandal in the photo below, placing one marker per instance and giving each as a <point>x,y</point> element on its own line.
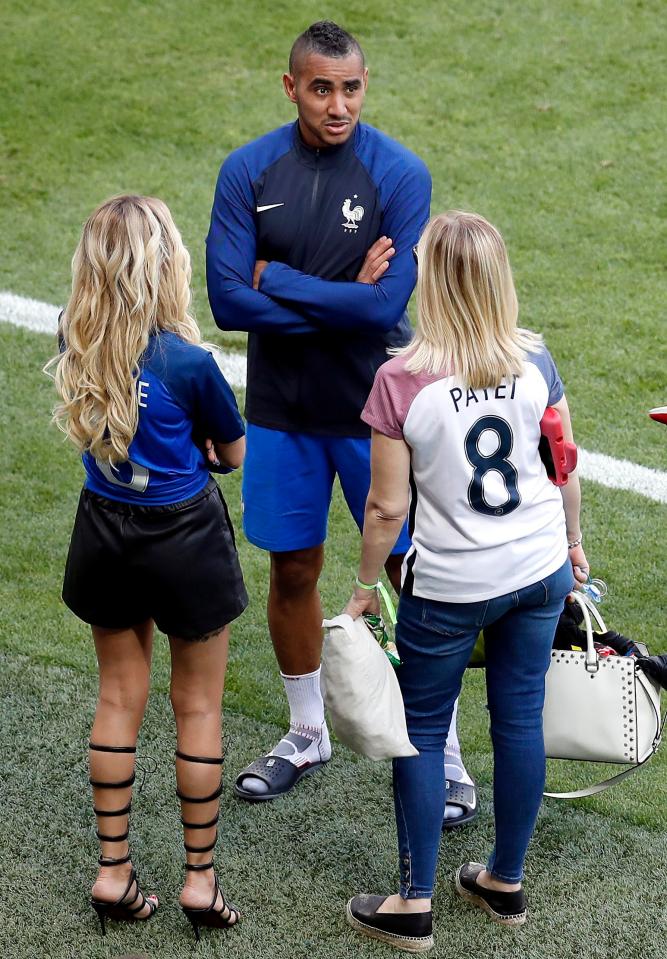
<point>463,795</point>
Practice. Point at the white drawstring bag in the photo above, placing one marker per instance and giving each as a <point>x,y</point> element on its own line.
<point>361,691</point>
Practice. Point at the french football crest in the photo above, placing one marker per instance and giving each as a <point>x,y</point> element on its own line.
<point>353,215</point>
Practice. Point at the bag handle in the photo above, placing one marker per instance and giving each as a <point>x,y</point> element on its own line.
<point>592,659</point>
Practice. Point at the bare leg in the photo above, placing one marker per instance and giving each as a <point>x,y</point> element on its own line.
<point>294,609</point>
<point>124,660</point>
<point>295,623</point>
<point>197,685</point>
<point>393,570</point>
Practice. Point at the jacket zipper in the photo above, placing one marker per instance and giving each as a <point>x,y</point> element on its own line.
<point>316,181</point>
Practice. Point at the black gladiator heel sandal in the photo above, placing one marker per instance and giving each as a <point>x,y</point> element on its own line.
<point>124,909</point>
<point>227,914</point>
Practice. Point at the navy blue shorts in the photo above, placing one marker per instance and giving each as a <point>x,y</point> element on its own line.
<point>287,484</point>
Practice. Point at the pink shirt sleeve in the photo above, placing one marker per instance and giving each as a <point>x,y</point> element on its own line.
<point>390,399</point>
<point>382,410</point>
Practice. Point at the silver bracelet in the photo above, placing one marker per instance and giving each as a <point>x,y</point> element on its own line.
<point>575,542</point>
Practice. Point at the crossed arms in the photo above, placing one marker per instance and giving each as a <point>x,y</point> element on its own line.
<point>286,300</point>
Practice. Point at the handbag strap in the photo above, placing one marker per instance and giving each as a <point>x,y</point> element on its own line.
<point>600,787</point>
<point>606,783</point>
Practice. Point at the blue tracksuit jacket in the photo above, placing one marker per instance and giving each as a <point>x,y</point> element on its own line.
<point>316,338</point>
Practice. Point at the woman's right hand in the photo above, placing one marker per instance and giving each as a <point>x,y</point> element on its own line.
<point>363,601</point>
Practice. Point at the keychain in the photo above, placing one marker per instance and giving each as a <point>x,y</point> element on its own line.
<point>594,589</point>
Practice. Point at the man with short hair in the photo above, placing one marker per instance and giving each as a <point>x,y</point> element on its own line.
<point>310,251</point>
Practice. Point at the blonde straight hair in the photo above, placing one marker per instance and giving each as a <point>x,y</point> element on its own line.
<point>130,279</point>
<point>466,303</point>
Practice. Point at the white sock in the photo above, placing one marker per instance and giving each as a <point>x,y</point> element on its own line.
<point>306,706</point>
<point>453,744</point>
<point>454,767</point>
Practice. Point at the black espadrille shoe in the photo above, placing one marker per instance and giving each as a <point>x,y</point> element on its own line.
<point>508,908</point>
<point>412,932</point>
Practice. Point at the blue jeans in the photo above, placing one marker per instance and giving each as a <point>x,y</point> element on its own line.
<point>435,641</point>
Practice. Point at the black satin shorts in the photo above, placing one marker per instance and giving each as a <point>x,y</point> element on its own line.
<point>175,564</point>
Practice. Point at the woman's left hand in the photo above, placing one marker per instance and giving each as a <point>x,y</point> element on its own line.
<point>363,601</point>
<point>580,565</point>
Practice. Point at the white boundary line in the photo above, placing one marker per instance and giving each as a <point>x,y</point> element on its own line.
<point>616,474</point>
<point>43,318</point>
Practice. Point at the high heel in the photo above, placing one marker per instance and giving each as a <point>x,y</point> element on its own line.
<point>119,909</point>
<point>211,917</point>
<point>124,909</point>
<point>226,914</point>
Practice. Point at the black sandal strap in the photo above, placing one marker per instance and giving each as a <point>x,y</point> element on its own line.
<point>112,749</point>
<point>199,759</point>
<point>189,848</point>
<point>113,838</point>
<point>224,904</point>
<point>202,868</point>
<point>103,785</point>
<point>114,812</point>
<point>110,861</point>
<point>133,909</point>
<point>201,825</point>
<point>214,795</point>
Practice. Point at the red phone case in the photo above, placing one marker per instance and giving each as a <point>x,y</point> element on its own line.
<point>558,455</point>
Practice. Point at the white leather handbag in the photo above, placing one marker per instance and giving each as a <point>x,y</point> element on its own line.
<point>361,691</point>
<point>599,709</point>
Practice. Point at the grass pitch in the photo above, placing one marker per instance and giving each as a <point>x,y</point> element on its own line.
<point>545,118</point>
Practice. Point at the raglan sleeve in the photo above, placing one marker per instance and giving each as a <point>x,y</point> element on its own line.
<point>547,367</point>
<point>231,247</point>
<point>384,407</point>
<point>365,307</point>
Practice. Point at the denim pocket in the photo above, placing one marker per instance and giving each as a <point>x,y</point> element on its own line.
<point>453,620</point>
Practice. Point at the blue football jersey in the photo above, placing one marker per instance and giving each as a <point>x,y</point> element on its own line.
<point>183,399</point>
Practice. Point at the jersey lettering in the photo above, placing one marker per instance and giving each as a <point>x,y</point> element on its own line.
<point>142,393</point>
<point>496,461</point>
<point>127,474</point>
<point>471,396</point>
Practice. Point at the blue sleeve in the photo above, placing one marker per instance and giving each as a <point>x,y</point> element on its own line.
<point>193,377</point>
<point>545,364</point>
<point>231,248</point>
<point>215,413</point>
<point>375,307</point>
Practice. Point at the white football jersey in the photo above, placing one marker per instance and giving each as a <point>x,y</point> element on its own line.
<point>485,520</point>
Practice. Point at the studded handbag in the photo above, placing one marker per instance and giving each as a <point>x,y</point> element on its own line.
<point>599,709</point>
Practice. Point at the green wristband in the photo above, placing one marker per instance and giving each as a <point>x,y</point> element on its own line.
<point>357,582</point>
<point>383,593</point>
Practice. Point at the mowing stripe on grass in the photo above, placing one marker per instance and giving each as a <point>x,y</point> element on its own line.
<point>616,474</point>
<point>43,318</point>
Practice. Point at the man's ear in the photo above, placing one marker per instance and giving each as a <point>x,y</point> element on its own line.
<point>365,79</point>
<point>289,85</point>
